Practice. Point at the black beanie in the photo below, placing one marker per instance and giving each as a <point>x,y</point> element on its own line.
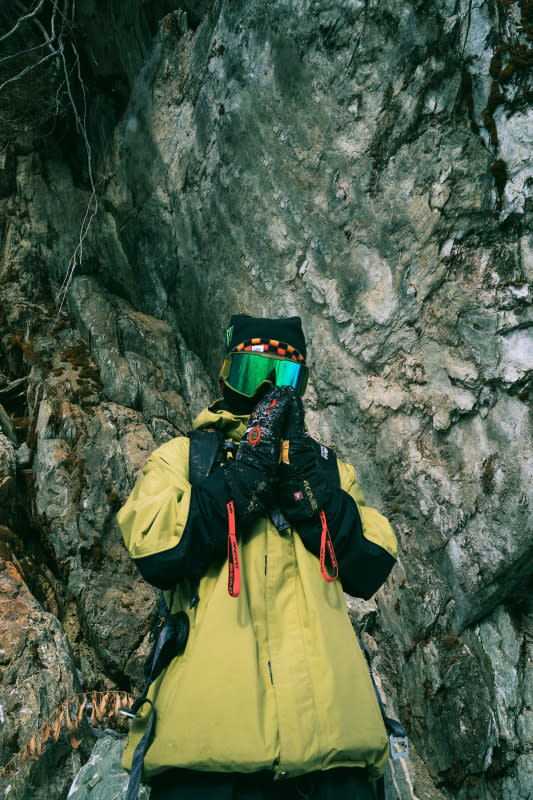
<point>243,328</point>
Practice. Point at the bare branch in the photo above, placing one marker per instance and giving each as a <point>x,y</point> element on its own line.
<point>29,68</point>
<point>53,23</point>
<point>61,34</point>
<point>49,39</point>
<point>23,52</point>
<point>43,30</point>
<point>92,206</point>
<point>63,13</point>
<point>19,22</point>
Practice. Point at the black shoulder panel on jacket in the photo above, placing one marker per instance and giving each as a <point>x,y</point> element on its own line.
<point>203,541</point>
<point>202,454</point>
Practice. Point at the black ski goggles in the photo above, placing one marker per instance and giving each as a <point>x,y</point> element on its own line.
<point>245,372</point>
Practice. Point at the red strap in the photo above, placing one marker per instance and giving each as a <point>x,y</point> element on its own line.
<point>326,541</point>
<point>234,568</point>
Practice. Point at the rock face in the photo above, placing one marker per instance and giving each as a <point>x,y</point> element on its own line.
<point>102,777</point>
<point>367,166</point>
<point>38,672</point>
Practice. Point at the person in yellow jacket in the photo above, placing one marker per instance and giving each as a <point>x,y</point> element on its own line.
<point>271,697</point>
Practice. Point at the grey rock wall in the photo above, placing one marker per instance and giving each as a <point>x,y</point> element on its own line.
<point>341,161</point>
<point>367,166</point>
<point>38,673</point>
<point>102,777</point>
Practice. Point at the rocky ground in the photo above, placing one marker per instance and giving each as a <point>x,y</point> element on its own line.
<point>367,166</point>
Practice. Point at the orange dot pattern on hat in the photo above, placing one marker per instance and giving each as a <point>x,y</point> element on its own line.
<point>270,346</point>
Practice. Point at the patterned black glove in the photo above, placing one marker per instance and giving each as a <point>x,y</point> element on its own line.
<point>253,475</point>
<point>311,477</point>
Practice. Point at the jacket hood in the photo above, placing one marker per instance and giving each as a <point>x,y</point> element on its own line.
<point>231,425</point>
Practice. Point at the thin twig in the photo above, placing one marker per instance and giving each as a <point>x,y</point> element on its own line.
<point>21,20</point>
<point>43,30</point>
<point>53,22</point>
<point>29,68</point>
<point>61,34</point>
<point>23,52</point>
<point>90,212</point>
<point>49,40</point>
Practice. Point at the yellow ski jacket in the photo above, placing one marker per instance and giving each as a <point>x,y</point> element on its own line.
<point>273,678</point>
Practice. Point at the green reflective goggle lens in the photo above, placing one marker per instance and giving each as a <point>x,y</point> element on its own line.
<point>245,372</point>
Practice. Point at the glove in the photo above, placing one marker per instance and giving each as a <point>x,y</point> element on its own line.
<point>311,476</point>
<point>253,475</point>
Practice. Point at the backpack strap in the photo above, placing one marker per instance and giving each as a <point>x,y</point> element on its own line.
<point>203,452</point>
<point>279,520</point>
<point>134,781</point>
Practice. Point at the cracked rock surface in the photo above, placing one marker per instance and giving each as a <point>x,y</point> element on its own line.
<point>364,165</point>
